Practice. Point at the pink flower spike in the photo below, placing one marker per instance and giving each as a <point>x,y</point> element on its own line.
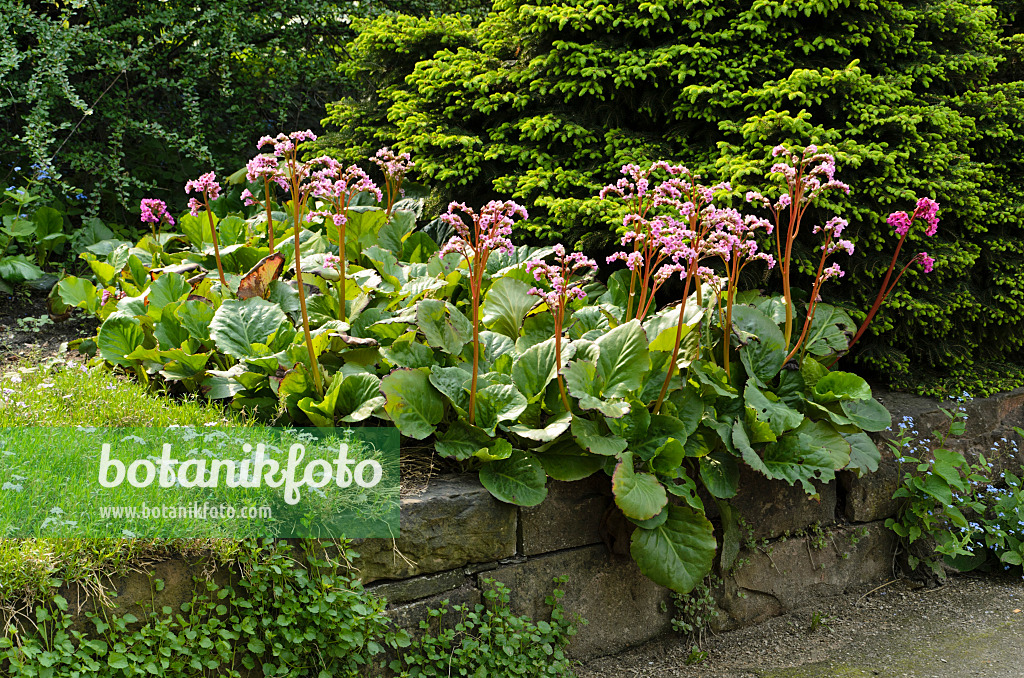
<point>928,211</point>
<point>927,262</point>
<point>154,210</point>
<point>900,223</point>
<point>207,184</point>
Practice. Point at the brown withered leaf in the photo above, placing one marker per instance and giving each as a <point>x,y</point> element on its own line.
<point>256,283</point>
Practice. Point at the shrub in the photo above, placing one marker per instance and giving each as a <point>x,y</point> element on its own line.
<point>542,101</point>
<point>120,100</point>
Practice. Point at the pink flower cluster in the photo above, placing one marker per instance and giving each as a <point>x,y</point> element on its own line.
<point>265,166</point>
<point>285,143</point>
<point>154,210</point>
<point>490,228</point>
<point>558,276</point>
<point>207,185</point>
<point>926,261</point>
<point>732,237</point>
<point>927,210</point>
<point>107,296</point>
<point>333,182</point>
<point>808,175</point>
<point>833,243</point>
<point>394,166</point>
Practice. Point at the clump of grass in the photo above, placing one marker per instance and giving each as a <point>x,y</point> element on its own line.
<point>65,394</point>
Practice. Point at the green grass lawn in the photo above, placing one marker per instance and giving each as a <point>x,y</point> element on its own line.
<point>54,401</point>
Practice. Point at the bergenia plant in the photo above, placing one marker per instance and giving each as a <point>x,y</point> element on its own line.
<point>296,173</point>
<point>807,176</point>
<point>337,188</point>
<point>264,167</point>
<point>394,166</point>
<point>489,231</point>
<point>207,186</point>
<point>659,224</point>
<point>832,229</point>
<point>155,212</point>
<point>668,227</point>
<point>927,210</point>
<point>733,241</point>
<point>559,278</point>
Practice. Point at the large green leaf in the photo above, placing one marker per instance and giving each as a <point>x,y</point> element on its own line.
<point>624,359</point>
<point>720,474</point>
<point>836,386</point>
<point>519,480</point>
<point>196,316</point>
<point>497,403</point>
<point>237,325</point>
<point>869,415</point>
<point>762,346</point>
<point>18,269</point>
<point>566,461</point>
<point>639,495</point>
<point>119,335</point>
<point>453,382</point>
<point>535,368</point>
<point>830,331</point>
<point>662,429</point>
<point>814,451</point>
<point>358,397</point>
<point>590,435</point>
<point>79,293</point>
<point>779,416</point>
<point>413,404</point>
<point>506,303</point>
<point>167,289</point>
<point>443,325</point>
<point>542,432</point>
<point>583,384</point>
<point>362,229</point>
<point>864,454</point>
<point>679,553</point>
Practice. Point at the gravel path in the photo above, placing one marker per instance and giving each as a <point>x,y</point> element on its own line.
<point>971,626</point>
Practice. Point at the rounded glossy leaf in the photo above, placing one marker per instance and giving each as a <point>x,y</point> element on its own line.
<point>679,553</point>
<point>519,480</point>
<point>119,335</point>
<point>505,305</point>
<point>640,495</point>
<point>237,325</point>
<point>841,386</point>
<point>412,402</point>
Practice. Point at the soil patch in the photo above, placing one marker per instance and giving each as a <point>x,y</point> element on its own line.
<point>29,333</point>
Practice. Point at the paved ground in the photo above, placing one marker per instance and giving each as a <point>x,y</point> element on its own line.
<point>971,626</point>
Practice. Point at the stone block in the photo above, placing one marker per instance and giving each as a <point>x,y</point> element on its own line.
<point>453,523</point>
<point>623,608</point>
<point>416,588</point>
<point>869,497</point>
<point>772,508</point>
<point>790,573</point>
<point>570,516</point>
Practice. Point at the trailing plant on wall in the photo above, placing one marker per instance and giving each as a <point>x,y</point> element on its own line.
<point>514,358</point>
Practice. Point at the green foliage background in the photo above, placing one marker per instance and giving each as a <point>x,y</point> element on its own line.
<point>544,101</point>
<point>130,99</point>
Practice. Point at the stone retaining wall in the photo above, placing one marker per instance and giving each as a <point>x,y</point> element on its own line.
<point>455,537</point>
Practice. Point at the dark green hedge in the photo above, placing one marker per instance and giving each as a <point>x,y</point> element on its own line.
<point>544,101</point>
